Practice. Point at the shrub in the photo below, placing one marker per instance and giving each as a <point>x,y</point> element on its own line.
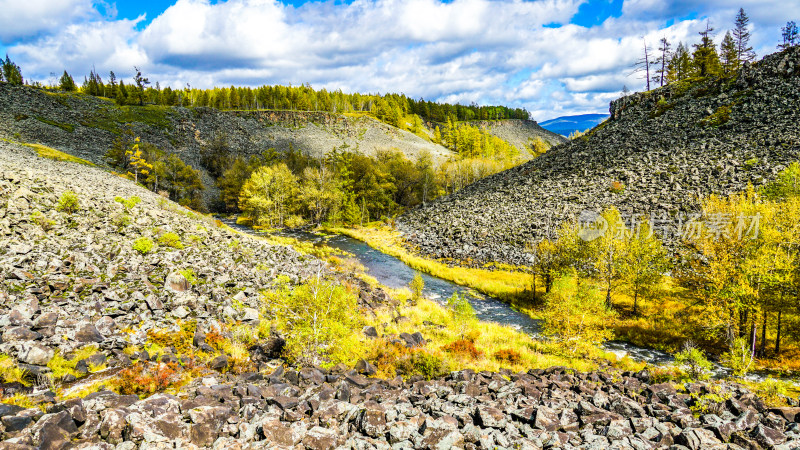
<point>180,340</point>
<point>580,319</point>
<point>294,221</point>
<point>508,355</point>
<point>463,347</point>
<point>143,245</point>
<point>461,311</point>
<point>10,372</point>
<point>145,379</point>
<point>68,202</point>
<point>128,203</point>
<point>120,221</point>
<point>420,362</point>
<point>772,391</point>
<point>738,357</point>
<point>40,219</point>
<point>693,362</point>
<point>416,286</point>
<point>170,240</point>
<point>616,187</point>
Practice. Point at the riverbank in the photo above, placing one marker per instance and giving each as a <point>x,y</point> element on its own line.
<point>507,283</point>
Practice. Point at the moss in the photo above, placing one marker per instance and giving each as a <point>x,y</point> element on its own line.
<point>64,126</point>
<point>143,245</point>
<point>719,117</point>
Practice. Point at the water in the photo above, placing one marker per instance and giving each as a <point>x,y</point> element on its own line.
<point>391,272</point>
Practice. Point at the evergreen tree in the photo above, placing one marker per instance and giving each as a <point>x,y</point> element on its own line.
<point>730,57</point>
<point>112,84</point>
<point>680,64</point>
<point>141,82</point>
<point>11,72</point>
<point>741,37</point>
<point>67,83</point>
<point>121,96</point>
<point>705,58</point>
<point>789,34</point>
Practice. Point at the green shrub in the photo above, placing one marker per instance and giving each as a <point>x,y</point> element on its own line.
<point>170,240</point>
<point>68,202</point>
<point>128,203</point>
<point>693,362</point>
<point>420,362</point>
<point>143,245</point>
<point>189,275</point>
<point>738,357</point>
<point>772,391</point>
<point>40,219</point>
<point>120,221</point>
<point>416,286</point>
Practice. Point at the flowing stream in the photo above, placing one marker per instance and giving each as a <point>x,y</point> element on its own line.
<point>394,273</point>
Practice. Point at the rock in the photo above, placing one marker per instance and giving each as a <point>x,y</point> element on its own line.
<point>365,368</point>
<point>491,417</point>
<point>697,438</point>
<point>87,333</point>
<point>545,419</point>
<point>370,332</point>
<point>372,420</point>
<point>768,437</point>
<point>35,354</point>
<point>219,363</point>
<point>319,438</point>
<point>106,326</point>
<point>250,315</point>
<point>413,340</point>
<point>176,282</point>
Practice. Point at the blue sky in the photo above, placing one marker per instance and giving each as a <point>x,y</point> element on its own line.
<point>553,57</point>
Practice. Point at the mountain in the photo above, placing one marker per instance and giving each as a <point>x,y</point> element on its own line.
<point>566,125</point>
<point>519,133</point>
<point>665,148</point>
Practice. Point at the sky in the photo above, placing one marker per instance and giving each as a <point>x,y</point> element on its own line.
<point>552,57</point>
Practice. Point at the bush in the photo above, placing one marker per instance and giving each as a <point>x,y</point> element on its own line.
<point>40,219</point>
<point>772,391</point>
<point>580,319</point>
<point>170,240</point>
<point>68,202</point>
<point>120,221</point>
<point>463,347</point>
<point>738,357</point>
<point>128,203</point>
<point>693,362</point>
<point>420,362</point>
<point>616,187</point>
<point>462,312</point>
<point>143,245</point>
<point>144,379</point>
<point>508,355</point>
<point>416,286</point>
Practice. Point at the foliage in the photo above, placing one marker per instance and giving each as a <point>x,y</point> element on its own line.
<point>508,355</point>
<point>189,275</point>
<point>144,379</point>
<point>693,362</point>
<point>579,318</point>
<point>318,317</point>
<point>68,202</point>
<point>738,357</point>
<point>43,221</point>
<point>463,347</point>
<point>143,245</point>
<point>11,72</point>
<point>266,197</point>
<point>643,262</point>
<point>417,285</point>
<point>773,391</point>
<point>67,83</point>
<point>616,187</point>
<point>128,203</point>
<point>10,372</point>
<point>462,312</point>
<point>170,239</point>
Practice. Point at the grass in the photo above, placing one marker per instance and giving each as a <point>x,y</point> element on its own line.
<point>493,341</point>
<point>501,281</point>
<point>10,372</point>
<point>51,153</point>
<point>61,366</point>
<point>64,126</point>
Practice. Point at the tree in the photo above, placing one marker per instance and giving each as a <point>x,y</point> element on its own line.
<point>680,64</point>
<point>318,318</point>
<point>662,61</point>
<point>67,83</point>
<point>121,97</point>
<point>417,285</point>
<point>461,311</point>
<point>730,56</point>
<point>136,161</point>
<point>705,58</point>
<point>578,317</point>
<point>643,262</point>
<point>112,84</point>
<point>609,249</point>
<point>140,82</point>
<point>267,195</point>
<point>643,64</point>
<point>789,34</point>
<point>741,37</point>
<point>11,72</point>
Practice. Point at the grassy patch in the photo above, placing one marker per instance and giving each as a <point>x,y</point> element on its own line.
<point>64,126</point>
<point>51,153</point>
<point>719,117</point>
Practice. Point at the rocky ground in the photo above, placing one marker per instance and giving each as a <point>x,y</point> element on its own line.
<point>519,133</point>
<point>667,148</point>
<point>72,281</point>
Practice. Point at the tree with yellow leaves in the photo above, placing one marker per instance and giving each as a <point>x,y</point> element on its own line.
<point>137,162</point>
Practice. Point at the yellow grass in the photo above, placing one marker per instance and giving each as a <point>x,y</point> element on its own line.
<point>51,153</point>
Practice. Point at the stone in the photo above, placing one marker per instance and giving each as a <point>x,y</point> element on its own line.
<point>250,315</point>
<point>176,282</point>
<point>365,368</point>
<point>370,332</point>
<point>319,438</point>
<point>768,437</point>
<point>87,333</point>
<point>372,420</point>
<point>35,354</point>
<point>491,417</point>
<point>697,438</point>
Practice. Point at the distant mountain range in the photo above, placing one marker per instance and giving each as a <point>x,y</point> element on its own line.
<point>567,125</point>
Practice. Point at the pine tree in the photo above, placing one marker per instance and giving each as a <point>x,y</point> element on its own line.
<point>67,83</point>
<point>121,96</point>
<point>112,84</point>
<point>680,64</point>
<point>730,57</point>
<point>789,34</point>
<point>11,72</point>
<point>741,36</point>
<point>705,58</point>
<point>141,82</point>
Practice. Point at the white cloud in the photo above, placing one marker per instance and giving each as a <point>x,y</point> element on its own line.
<point>20,19</point>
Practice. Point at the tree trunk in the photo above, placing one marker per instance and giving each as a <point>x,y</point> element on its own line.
<point>778,335</point>
<point>635,298</point>
<point>762,348</point>
<point>753,340</point>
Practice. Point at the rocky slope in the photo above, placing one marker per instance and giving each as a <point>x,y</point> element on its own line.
<point>519,133</point>
<point>72,282</point>
<point>86,126</point>
<point>667,147</point>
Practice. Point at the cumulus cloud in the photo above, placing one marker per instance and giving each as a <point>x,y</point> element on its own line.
<point>514,52</point>
<point>26,18</point>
